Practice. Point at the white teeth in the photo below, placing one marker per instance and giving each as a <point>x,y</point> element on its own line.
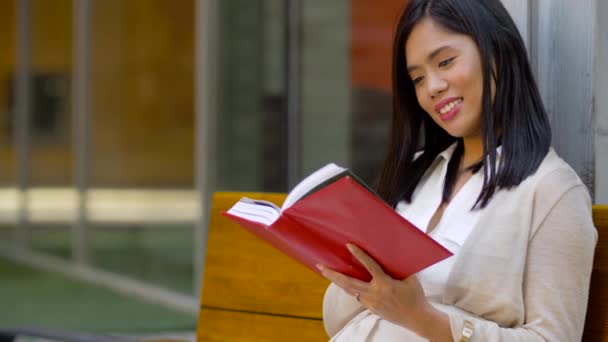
<point>448,107</point>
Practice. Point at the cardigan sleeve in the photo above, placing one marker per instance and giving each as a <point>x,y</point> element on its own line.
<point>556,281</point>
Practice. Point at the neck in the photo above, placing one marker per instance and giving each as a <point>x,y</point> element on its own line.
<point>473,151</point>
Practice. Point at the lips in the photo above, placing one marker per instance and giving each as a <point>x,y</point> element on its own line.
<point>450,111</point>
<point>446,101</point>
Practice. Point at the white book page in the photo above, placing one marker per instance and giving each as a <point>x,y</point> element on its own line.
<point>326,172</point>
<point>255,210</point>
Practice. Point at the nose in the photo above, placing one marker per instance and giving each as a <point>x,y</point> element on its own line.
<point>435,84</point>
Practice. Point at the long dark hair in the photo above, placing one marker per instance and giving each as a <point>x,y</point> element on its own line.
<point>515,119</point>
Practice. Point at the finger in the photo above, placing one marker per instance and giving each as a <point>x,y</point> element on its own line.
<point>368,262</point>
<point>348,284</point>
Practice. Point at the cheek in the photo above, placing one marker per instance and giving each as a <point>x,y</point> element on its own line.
<point>464,78</point>
<point>468,84</point>
<point>472,82</point>
<point>423,101</point>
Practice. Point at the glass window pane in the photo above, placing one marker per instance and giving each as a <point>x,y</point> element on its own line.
<point>326,126</point>
<point>346,98</point>
<point>345,55</point>
<point>370,55</point>
<point>8,180</point>
<point>142,201</point>
<point>252,121</point>
<point>50,197</point>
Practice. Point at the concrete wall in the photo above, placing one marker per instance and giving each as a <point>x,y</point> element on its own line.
<point>600,101</point>
<point>561,46</point>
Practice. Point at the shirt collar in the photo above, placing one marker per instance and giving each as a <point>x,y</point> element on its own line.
<point>448,152</point>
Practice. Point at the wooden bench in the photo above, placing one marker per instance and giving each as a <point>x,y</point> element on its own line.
<point>251,292</point>
<point>596,325</point>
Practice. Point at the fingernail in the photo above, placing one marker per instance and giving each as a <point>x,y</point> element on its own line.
<point>350,247</point>
<point>319,266</point>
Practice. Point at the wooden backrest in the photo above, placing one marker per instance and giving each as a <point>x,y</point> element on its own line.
<point>252,292</point>
<point>596,325</point>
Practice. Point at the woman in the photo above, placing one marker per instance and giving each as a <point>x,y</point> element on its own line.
<point>487,185</point>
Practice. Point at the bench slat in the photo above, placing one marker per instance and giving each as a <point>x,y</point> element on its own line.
<point>218,325</point>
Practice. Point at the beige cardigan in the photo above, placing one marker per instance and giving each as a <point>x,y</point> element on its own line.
<point>523,273</point>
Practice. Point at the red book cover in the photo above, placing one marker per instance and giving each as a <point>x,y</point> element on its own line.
<point>316,229</point>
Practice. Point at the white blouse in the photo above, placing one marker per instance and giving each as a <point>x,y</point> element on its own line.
<point>455,225</point>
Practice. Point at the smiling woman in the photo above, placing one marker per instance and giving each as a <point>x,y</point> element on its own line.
<point>486,185</point>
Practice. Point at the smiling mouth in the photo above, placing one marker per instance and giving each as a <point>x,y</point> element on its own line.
<point>449,106</point>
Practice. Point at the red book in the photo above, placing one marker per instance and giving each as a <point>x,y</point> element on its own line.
<point>331,208</point>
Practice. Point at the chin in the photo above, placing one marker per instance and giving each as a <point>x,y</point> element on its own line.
<point>456,133</point>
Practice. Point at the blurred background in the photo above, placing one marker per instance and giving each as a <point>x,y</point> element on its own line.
<point>119,118</point>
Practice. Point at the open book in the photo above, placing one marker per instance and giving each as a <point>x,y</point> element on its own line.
<point>329,209</point>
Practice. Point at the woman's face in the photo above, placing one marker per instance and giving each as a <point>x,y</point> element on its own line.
<point>445,68</point>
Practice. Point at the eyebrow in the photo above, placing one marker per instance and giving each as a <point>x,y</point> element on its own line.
<point>430,56</point>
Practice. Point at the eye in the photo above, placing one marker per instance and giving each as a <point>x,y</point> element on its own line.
<point>417,80</point>
<point>446,62</point>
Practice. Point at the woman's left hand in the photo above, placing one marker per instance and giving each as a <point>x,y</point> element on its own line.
<point>399,301</point>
